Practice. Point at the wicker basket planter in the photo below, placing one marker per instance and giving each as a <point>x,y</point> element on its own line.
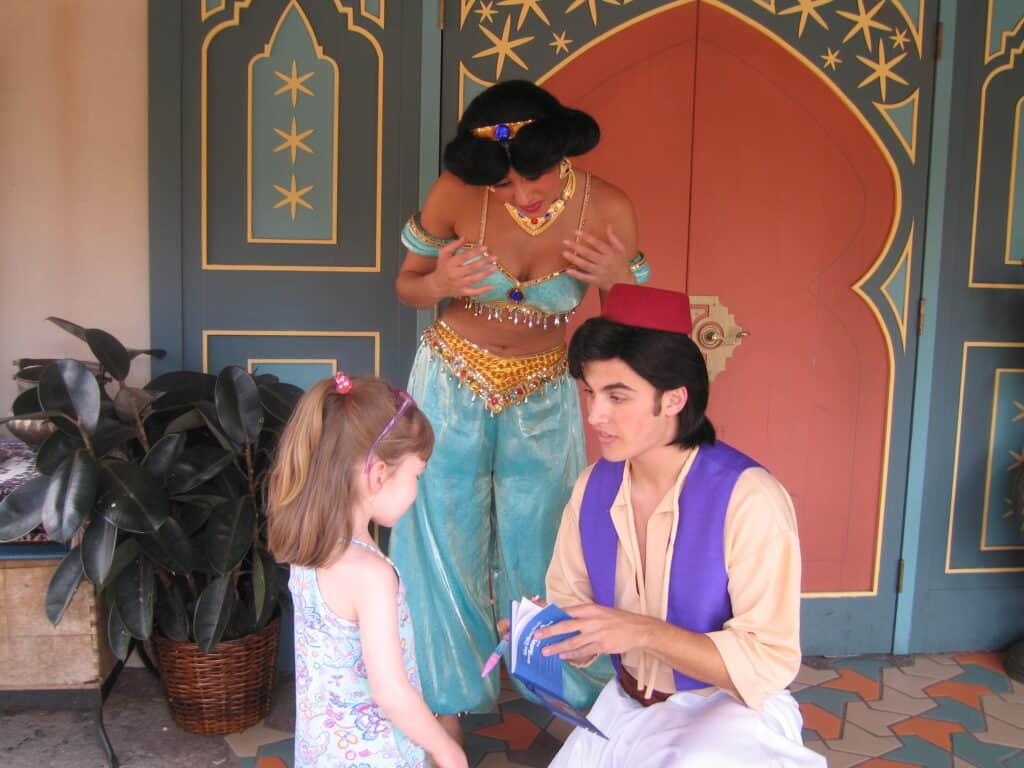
<point>224,691</point>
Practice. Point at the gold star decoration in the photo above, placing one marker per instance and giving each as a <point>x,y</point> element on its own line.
<point>831,59</point>
<point>592,6</point>
<point>525,6</point>
<point>807,8</point>
<point>486,11</point>
<point>900,39</point>
<point>1017,403</point>
<point>881,70</point>
<point>864,21</point>
<point>1018,460</point>
<point>560,43</point>
<point>293,140</point>
<point>503,47</point>
<point>293,197</point>
<point>294,83</point>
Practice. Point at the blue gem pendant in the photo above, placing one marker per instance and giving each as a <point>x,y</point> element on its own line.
<point>516,295</point>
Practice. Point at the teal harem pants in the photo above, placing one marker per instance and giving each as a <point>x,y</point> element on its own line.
<point>487,512</point>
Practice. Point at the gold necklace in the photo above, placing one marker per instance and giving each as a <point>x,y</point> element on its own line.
<point>534,225</point>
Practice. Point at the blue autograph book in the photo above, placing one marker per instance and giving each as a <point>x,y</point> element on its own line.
<point>542,675</point>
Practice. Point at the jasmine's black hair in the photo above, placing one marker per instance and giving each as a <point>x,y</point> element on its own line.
<point>664,359</point>
<point>555,133</point>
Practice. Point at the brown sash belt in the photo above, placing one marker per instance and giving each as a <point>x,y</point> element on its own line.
<point>630,686</point>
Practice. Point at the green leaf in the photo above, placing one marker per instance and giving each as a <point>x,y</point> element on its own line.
<point>21,511</point>
<point>229,533</point>
<point>209,416</point>
<point>192,419</point>
<point>54,450</point>
<point>70,496</point>
<point>171,614</point>
<point>125,552</point>
<point>63,585</point>
<point>112,435</point>
<point>170,546</point>
<point>131,401</point>
<point>70,387</point>
<point>242,623</point>
<point>131,499</point>
<point>163,454</point>
<point>237,399</point>
<point>213,612</point>
<point>194,467</point>
<point>134,595</point>
<point>118,636</point>
<point>182,388</point>
<point>98,545</point>
<point>26,403</point>
<point>280,399</point>
<point>159,354</point>
<point>73,328</point>
<point>267,577</point>
<point>110,353</point>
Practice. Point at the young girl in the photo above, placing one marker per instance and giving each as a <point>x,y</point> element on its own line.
<point>352,453</point>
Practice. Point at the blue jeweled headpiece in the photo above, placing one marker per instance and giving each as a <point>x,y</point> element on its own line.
<point>500,132</point>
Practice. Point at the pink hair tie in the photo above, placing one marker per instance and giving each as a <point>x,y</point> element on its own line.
<point>342,383</point>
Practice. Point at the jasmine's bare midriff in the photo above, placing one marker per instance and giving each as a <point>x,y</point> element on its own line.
<point>502,338</point>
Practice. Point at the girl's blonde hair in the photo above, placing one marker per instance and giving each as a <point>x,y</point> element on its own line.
<point>311,490</point>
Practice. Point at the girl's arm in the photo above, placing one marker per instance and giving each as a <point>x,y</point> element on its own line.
<point>376,607</point>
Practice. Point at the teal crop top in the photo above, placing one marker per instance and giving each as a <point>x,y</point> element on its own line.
<point>546,300</point>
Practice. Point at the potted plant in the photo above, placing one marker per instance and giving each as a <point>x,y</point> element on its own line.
<point>158,491</point>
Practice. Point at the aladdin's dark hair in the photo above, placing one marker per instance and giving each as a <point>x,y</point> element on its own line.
<point>555,133</point>
<point>312,486</point>
<point>664,359</point>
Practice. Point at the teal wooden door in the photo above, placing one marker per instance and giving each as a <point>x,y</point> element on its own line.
<point>777,155</point>
<point>967,588</point>
<point>284,143</point>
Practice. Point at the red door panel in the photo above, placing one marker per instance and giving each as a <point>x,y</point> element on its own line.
<point>792,204</point>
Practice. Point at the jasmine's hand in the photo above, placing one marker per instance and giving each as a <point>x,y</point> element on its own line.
<point>598,262</point>
<point>459,274</point>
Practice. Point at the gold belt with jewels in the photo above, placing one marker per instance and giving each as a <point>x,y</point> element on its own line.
<point>498,381</point>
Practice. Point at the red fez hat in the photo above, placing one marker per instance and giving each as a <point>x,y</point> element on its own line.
<point>644,307</point>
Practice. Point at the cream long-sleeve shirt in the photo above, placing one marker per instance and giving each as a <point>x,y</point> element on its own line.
<point>760,644</point>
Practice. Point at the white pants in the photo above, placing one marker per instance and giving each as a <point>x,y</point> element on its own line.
<point>689,731</point>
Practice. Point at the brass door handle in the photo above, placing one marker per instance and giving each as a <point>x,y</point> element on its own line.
<point>710,336</point>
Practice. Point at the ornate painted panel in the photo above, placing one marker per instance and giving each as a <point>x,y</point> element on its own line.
<point>776,152</point>
<point>293,156</point>
<point>971,569</point>
<point>997,225</point>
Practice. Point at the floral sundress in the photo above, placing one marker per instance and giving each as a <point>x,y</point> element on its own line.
<point>336,720</point>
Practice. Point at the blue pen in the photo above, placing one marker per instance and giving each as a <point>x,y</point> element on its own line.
<point>495,656</point>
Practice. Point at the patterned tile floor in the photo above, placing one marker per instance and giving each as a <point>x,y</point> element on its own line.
<point>948,710</point>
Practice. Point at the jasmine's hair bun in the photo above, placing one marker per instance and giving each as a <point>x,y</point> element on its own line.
<point>556,132</point>
<point>474,160</point>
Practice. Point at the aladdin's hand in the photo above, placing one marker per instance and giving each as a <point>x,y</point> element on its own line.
<point>459,274</point>
<point>598,262</point>
<point>601,630</point>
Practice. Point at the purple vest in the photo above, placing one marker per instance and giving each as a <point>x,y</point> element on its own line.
<point>698,596</point>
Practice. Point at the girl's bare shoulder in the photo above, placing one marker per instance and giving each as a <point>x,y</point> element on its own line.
<point>359,571</point>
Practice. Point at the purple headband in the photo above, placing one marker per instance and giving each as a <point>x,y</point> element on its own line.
<point>406,404</point>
